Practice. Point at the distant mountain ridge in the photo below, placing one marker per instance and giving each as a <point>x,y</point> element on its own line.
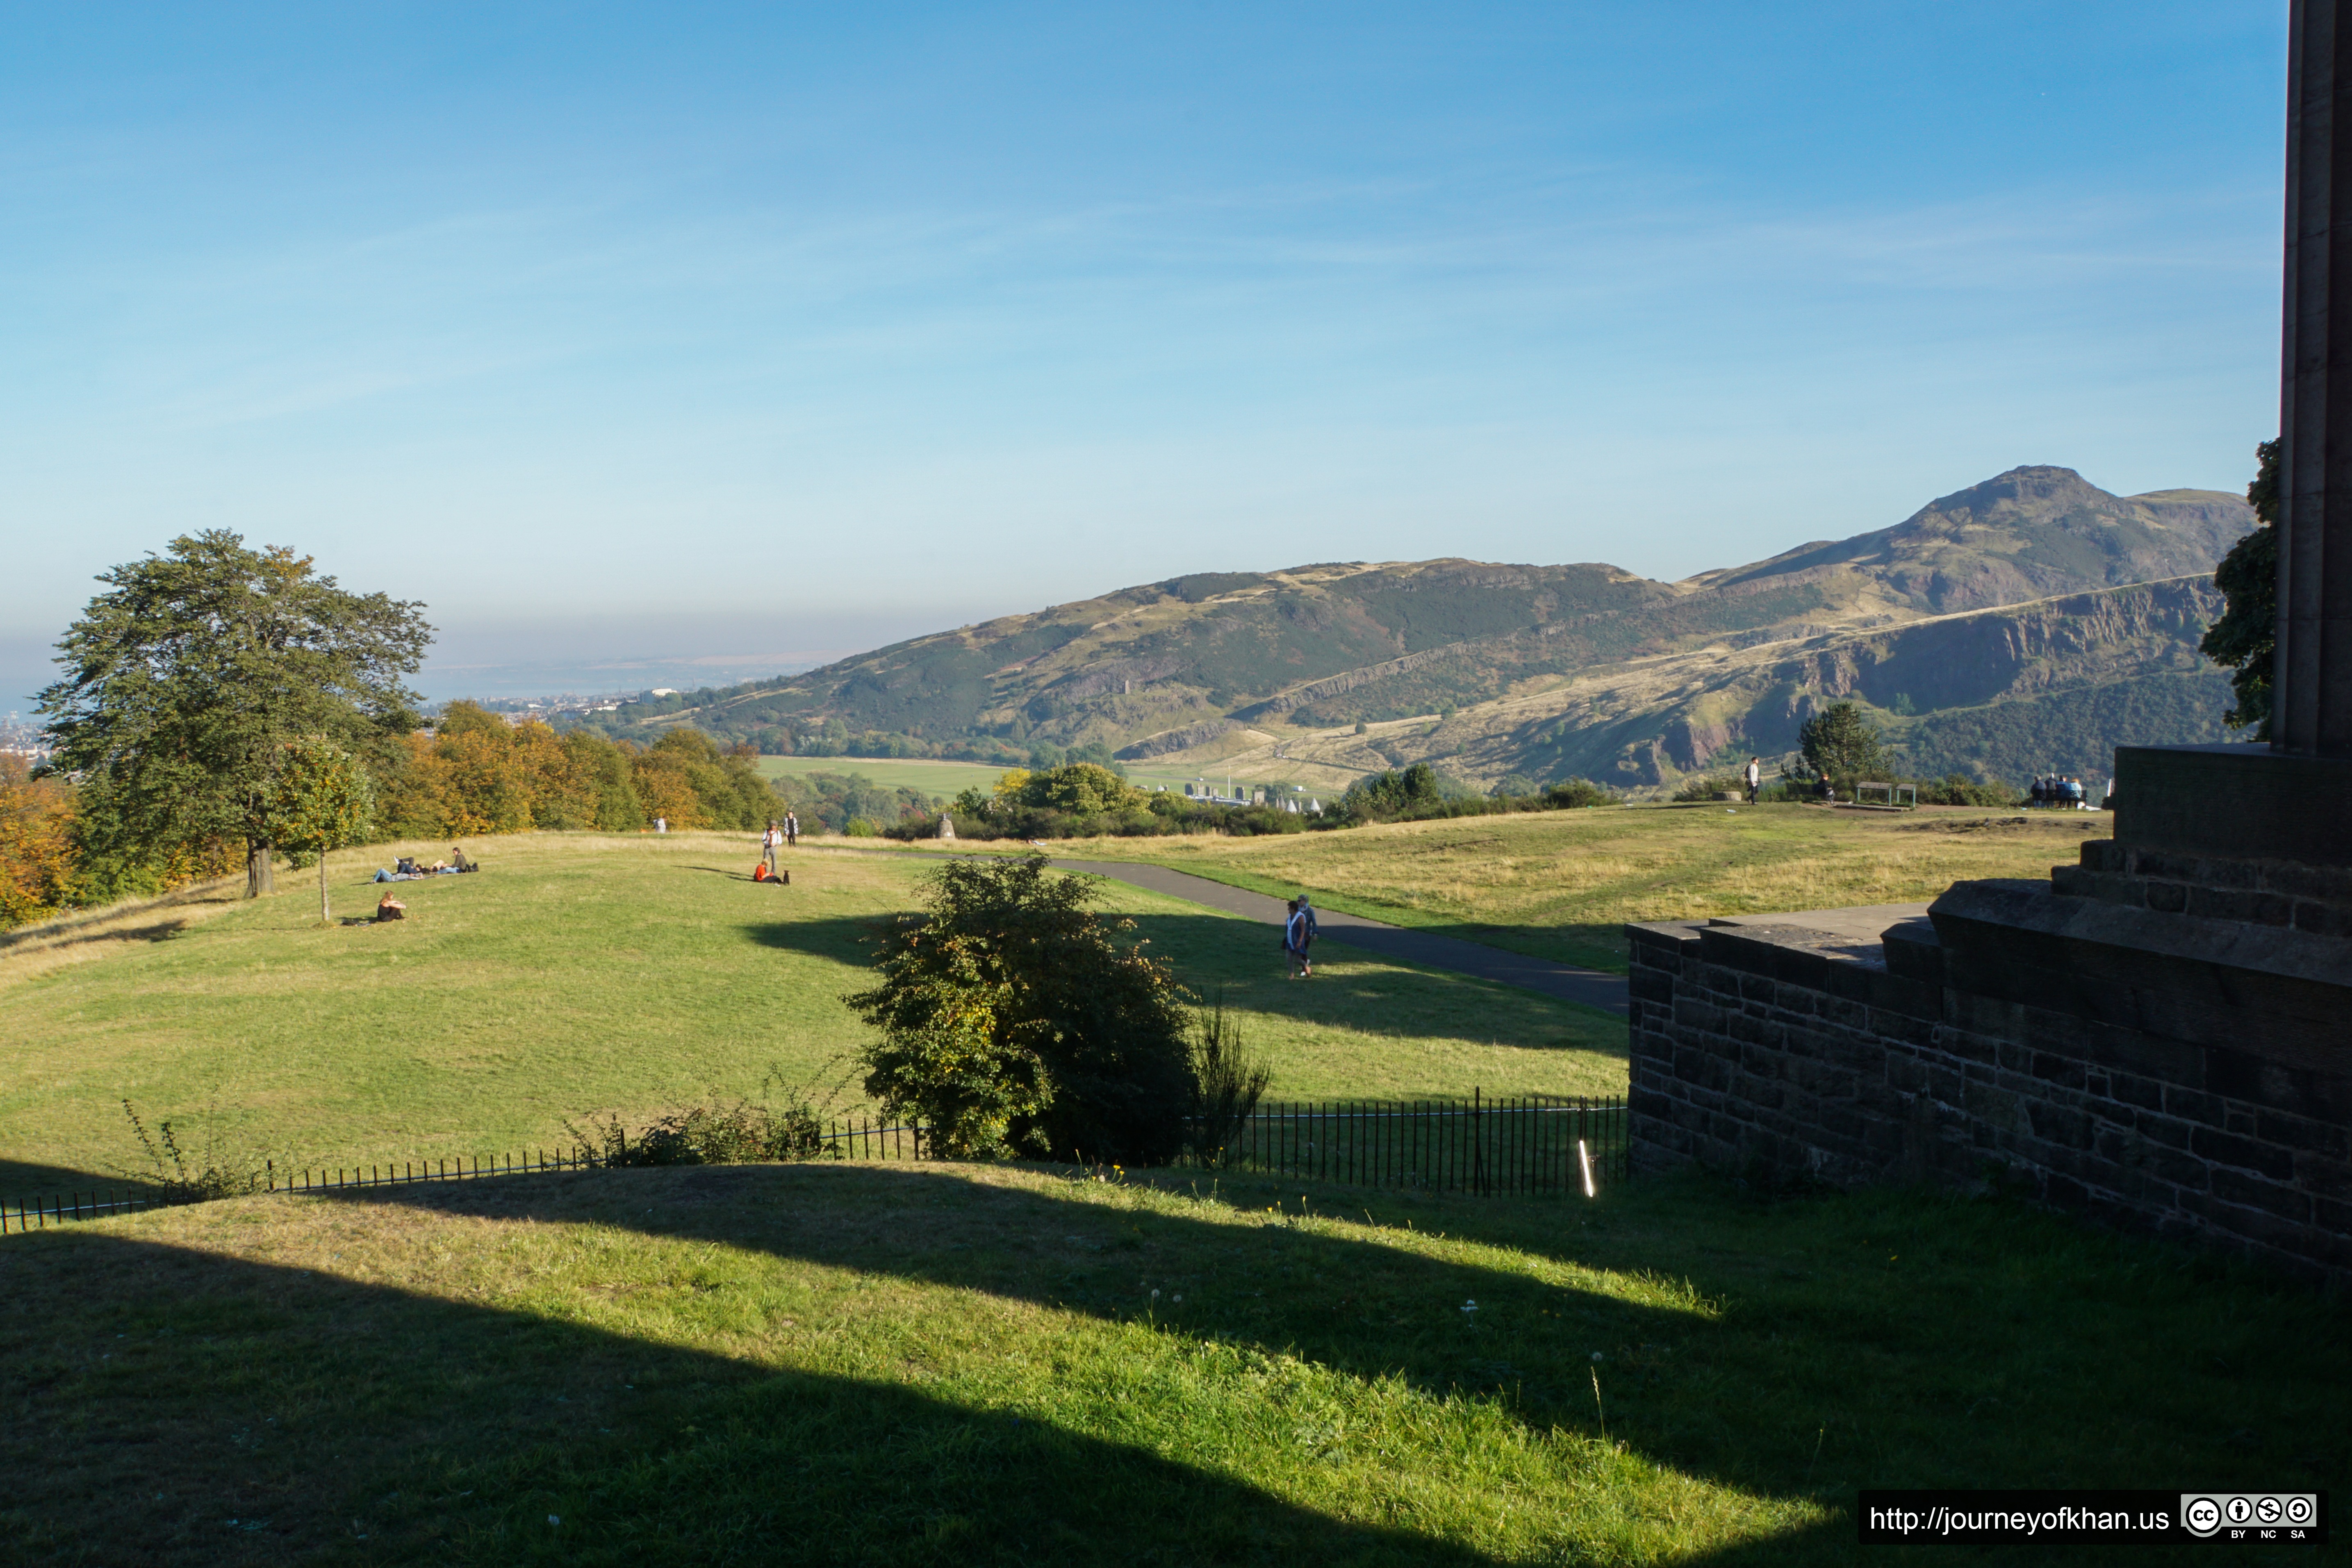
<point>2030,586</point>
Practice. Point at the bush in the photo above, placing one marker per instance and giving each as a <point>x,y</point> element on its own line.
<point>1399,792</point>
<point>861,828</point>
<point>1958,789</point>
<point>1576,794</point>
<point>1708,787</point>
<point>214,1174</point>
<point>700,1136</point>
<point>1228,1082</point>
<point>1015,1021</point>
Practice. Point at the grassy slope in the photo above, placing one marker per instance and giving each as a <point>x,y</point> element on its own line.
<point>582,974</point>
<point>927,1364</point>
<point>945,779</point>
<point>891,772</point>
<point>1562,884</point>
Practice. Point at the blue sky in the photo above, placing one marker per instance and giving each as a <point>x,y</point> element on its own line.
<point>688,332</point>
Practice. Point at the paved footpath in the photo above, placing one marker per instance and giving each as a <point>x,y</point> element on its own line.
<point>1590,988</point>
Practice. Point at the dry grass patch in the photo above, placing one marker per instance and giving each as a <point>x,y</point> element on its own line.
<point>1562,884</point>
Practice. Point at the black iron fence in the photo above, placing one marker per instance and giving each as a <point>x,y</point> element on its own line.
<point>1531,1143</point>
<point>849,1137</point>
<point>1526,1143</point>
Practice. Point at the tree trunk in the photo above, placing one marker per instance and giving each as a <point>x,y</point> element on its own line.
<point>326,913</point>
<point>257,881</point>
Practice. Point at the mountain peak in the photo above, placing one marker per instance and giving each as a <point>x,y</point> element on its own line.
<point>2036,490</point>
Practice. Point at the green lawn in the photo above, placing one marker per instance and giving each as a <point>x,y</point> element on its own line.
<point>1563,884</point>
<point>928,1364</point>
<point>581,975</point>
<point>944,779</point>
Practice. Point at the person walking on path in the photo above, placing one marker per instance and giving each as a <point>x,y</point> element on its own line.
<point>791,830</point>
<point>1298,936</point>
<point>1294,939</point>
<point>1755,778</point>
<point>768,843</point>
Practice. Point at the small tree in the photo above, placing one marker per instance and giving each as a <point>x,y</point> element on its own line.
<point>321,801</point>
<point>2245,640</point>
<point>1228,1082</point>
<point>1014,1020</point>
<point>1840,742</point>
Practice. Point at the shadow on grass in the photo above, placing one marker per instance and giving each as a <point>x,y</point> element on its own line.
<point>153,1395</point>
<point>169,1406</point>
<point>30,1180</point>
<point>1785,1350</point>
<point>1215,956</point>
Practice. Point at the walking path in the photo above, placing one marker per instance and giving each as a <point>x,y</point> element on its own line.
<point>1590,987</point>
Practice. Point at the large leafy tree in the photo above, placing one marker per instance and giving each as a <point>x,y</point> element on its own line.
<point>1840,742</point>
<point>2245,640</point>
<point>186,680</point>
<point>1014,1020</point>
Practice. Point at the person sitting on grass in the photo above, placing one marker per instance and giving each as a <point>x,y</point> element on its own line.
<point>458,861</point>
<point>391,908</point>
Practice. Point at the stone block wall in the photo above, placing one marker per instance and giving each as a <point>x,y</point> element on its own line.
<point>2203,1093</point>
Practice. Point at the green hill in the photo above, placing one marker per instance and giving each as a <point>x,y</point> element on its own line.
<point>1500,668</point>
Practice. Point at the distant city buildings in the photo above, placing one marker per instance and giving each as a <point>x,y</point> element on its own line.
<point>20,739</point>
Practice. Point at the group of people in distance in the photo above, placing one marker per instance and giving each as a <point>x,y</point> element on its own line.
<point>2061,791</point>
<point>408,870</point>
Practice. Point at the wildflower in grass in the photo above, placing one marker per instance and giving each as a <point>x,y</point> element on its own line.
<point>1469,1306</point>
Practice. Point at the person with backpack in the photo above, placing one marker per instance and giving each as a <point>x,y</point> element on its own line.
<point>1294,939</point>
<point>1300,934</point>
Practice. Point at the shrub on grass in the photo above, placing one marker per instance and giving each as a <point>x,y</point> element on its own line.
<point>1228,1080</point>
<point>861,828</point>
<point>215,1174</point>
<point>1958,789</point>
<point>1708,788</point>
<point>1577,795</point>
<point>1015,1021</point>
<point>742,1134</point>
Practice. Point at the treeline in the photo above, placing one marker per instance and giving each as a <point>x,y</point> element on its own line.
<point>471,776</point>
<point>39,870</point>
<point>1084,800</point>
<point>804,736</point>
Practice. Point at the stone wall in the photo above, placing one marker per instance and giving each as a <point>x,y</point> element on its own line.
<point>2156,1070</point>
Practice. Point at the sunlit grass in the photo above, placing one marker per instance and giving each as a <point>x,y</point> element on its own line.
<point>1563,884</point>
<point>581,975</point>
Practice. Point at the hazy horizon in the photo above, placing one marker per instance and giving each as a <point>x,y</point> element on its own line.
<point>706,337</point>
